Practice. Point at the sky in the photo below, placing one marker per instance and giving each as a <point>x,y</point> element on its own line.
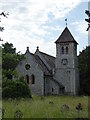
<point>40,22</point>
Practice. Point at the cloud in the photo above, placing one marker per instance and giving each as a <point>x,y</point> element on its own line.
<point>80,26</point>
<point>82,38</point>
<point>34,22</point>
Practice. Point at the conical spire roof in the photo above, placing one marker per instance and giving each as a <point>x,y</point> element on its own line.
<point>65,36</point>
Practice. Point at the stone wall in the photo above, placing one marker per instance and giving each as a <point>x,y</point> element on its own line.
<point>67,74</point>
<point>51,87</point>
<point>36,88</point>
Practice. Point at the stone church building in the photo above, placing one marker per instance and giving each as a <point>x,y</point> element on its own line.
<point>46,74</point>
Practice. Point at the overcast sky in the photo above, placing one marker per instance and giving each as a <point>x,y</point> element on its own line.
<point>40,22</point>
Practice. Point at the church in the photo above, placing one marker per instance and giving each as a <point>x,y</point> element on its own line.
<point>46,74</point>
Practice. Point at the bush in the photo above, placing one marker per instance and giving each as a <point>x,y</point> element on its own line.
<point>15,89</point>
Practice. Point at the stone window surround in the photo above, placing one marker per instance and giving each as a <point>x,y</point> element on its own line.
<point>64,50</point>
<point>30,79</point>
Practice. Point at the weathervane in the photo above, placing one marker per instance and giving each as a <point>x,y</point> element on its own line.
<point>66,21</point>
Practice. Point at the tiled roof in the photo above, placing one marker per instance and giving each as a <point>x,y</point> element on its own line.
<point>42,65</point>
<point>66,36</point>
<point>49,59</point>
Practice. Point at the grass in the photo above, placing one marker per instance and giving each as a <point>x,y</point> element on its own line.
<point>42,108</point>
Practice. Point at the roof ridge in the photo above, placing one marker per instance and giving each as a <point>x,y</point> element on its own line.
<point>46,54</point>
<point>41,61</point>
<point>29,53</point>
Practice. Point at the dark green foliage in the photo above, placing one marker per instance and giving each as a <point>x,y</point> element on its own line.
<point>88,20</point>
<point>12,88</point>
<point>15,89</point>
<point>8,48</point>
<point>84,71</point>
<point>10,59</point>
<point>21,79</point>
<point>7,83</point>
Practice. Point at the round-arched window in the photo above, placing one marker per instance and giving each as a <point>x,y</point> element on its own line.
<point>27,79</point>
<point>32,78</point>
<point>66,50</point>
<point>62,50</point>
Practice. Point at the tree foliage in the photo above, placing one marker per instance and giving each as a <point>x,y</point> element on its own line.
<point>88,20</point>
<point>8,48</point>
<point>84,71</point>
<point>15,89</point>
<point>12,88</point>
<point>10,59</point>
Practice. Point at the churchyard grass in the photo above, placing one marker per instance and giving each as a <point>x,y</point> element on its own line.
<point>47,107</point>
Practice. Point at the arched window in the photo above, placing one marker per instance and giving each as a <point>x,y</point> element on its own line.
<point>62,50</point>
<point>27,79</point>
<point>66,50</point>
<point>32,79</point>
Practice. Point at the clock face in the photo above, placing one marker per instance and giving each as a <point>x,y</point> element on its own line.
<point>27,66</point>
<point>64,61</point>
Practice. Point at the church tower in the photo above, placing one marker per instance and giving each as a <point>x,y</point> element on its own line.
<point>66,64</point>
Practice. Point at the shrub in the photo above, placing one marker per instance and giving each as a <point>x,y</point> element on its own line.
<point>15,89</point>
<point>21,79</point>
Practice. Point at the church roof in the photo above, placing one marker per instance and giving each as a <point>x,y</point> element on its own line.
<point>66,36</point>
<point>49,59</point>
<point>41,63</point>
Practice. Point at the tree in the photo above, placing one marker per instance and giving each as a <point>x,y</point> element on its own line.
<point>10,60</point>
<point>84,70</point>
<point>88,20</point>
<point>8,48</point>
<point>12,88</point>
